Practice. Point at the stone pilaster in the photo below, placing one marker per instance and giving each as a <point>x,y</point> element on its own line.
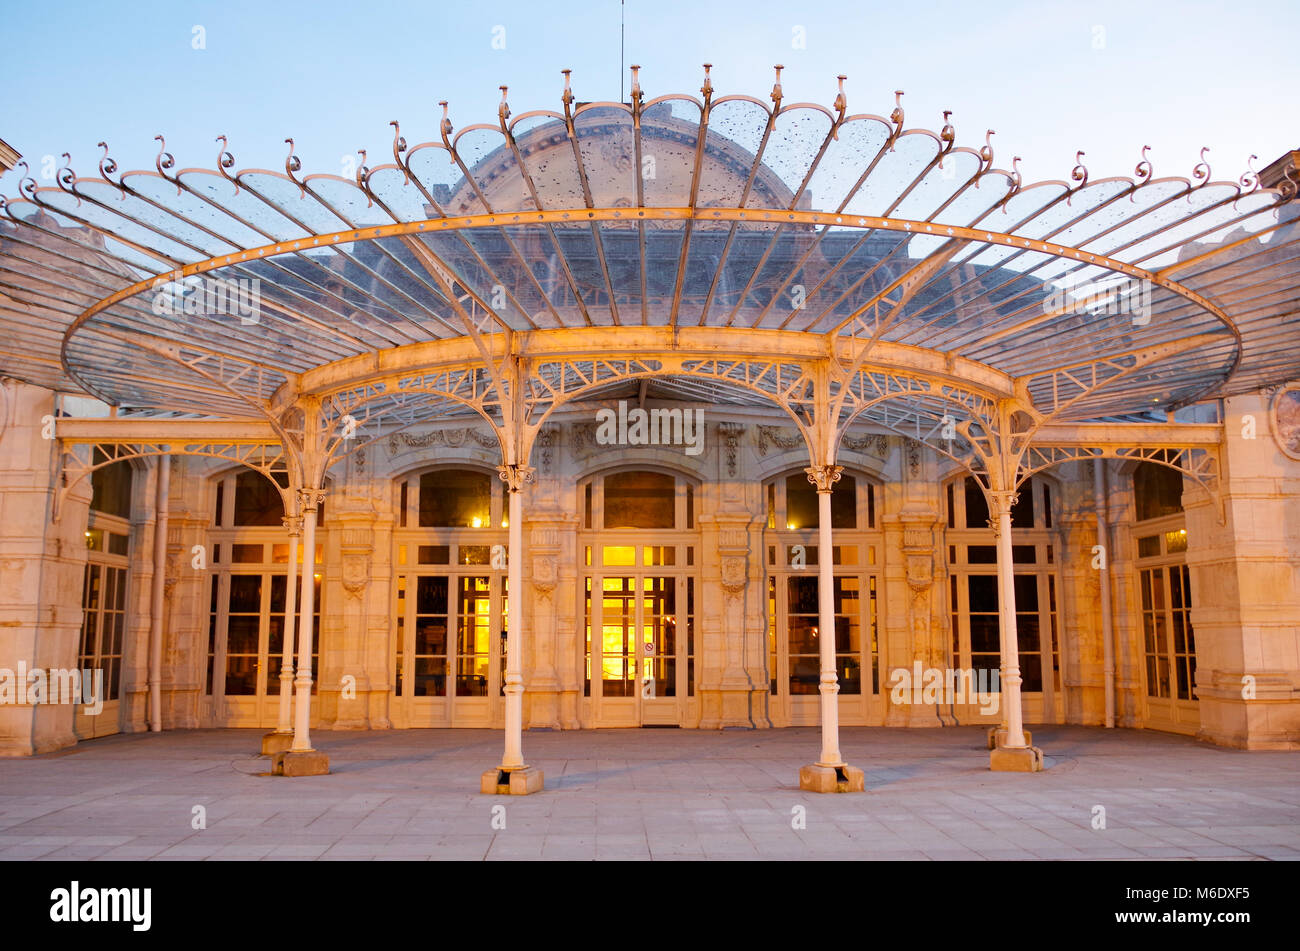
<point>1246,587</point>
<point>1078,625</point>
<point>42,568</point>
<point>731,622</point>
<point>352,683</point>
<point>913,598</point>
<point>552,686</point>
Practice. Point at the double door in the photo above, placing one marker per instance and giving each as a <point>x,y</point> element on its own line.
<point>448,661</point>
<point>246,645</point>
<point>639,648</point>
<point>794,648</point>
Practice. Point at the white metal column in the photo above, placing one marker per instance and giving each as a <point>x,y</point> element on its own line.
<point>309,499</point>
<point>285,723</point>
<point>1011,680</point>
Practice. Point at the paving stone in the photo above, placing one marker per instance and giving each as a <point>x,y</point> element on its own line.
<point>661,795</point>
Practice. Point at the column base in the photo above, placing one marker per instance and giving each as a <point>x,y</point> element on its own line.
<point>300,763</point>
<point>998,737</point>
<point>511,782</point>
<point>276,742</point>
<point>831,779</point>
<point>1025,759</point>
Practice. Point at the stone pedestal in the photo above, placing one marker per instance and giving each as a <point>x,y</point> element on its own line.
<point>1026,759</point>
<point>306,763</point>
<point>831,779</point>
<point>511,782</point>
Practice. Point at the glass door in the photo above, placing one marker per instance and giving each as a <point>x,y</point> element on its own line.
<point>657,650</point>
<point>1169,648</point>
<point>447,665</point>
<point>794,639</point>
<point>103,620</point>
<point>246,645</point>
<point>639,648</point>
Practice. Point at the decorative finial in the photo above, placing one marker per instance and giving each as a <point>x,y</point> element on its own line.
<point>1202,170</point>
<point>445,125</point>
<point>707,88</point>
<point>896,116</point>
<point>567,97</point>
<point>1144,169</point>
<point>26,183</point>
<point>107,166</point>
<point>224,161</point>
<point>65,176</point>
<point>503,110</point>
<point>986,153</point>
<point>948,135</point>
<point>291,165</point>
<point>776,87</point>
<point>636,88</point>
<point>164,161</point>
<point>363,177</point>
<point>1249,178</point>
<point>399,146</point>
<point>1077,174</point>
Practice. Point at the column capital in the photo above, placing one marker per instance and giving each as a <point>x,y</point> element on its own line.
<point>1001,500</point>
<point>824,477</point>
<point>516,476</point>
<point>310,499</point>
<point>293,525</point>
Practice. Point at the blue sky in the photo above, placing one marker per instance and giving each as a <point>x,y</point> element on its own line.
<point>1050,78</point>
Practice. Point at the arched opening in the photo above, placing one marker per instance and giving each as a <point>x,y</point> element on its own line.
<point>971,550</point>
<point>792,558</point>
<point>640,557</point>
<point>248,560</point>
<point>446,652</point>
<point>1164,592</point>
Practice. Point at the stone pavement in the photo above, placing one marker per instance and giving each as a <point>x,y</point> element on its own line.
<point>652,794</point>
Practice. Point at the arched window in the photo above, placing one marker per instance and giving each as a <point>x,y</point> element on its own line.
<point>1157,491</point>
<point>638,499</point>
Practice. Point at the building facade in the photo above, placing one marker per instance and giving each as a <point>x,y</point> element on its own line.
<point>662,587</point>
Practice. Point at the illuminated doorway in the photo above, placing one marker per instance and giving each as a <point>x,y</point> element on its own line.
<point>639,590</point>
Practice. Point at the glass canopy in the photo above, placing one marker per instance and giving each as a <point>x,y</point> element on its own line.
<point>207,292</point>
